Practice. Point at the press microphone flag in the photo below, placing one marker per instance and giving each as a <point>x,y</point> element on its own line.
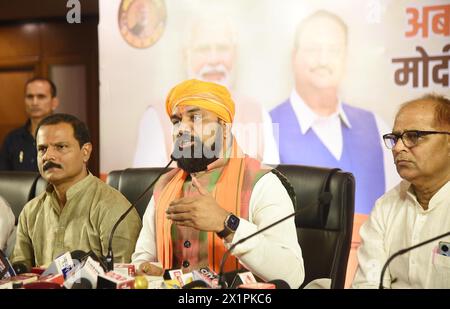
<point>6,269</point>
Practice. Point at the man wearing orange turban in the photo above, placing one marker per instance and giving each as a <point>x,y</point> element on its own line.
<point>215,197</point>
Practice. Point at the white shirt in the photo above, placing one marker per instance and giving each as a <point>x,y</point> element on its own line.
<point>274,254</point>
<point>7,222</point>
<point>328,130</point>
<point>398,221</point>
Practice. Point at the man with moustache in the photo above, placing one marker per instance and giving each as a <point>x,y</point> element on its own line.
<point>77,210</point>
<point>418,208</point>
<point>317,128</point>
<point>18,152</point>
<point>215,197</point>
<point>209,54</point>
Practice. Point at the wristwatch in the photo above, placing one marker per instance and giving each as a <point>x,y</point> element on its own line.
<point>231,224</point>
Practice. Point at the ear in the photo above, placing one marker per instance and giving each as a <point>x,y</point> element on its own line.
<point>55,103</point>
<point>86,150</point>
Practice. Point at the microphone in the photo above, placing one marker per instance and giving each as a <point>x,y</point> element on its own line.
<point>110,255</point>
<point>89,270</point>
<point>324,201</point>
<point>78,255</point>
<point>82,284</point>
<point>280,284</point>
<point>222,282</point>
<point>20,268</point>
<point>403,251</point>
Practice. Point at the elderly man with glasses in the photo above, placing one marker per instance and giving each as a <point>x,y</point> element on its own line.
<point>418,208</point>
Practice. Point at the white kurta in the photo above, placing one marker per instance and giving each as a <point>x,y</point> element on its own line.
<point>398,221</point>
<point>274,254</point>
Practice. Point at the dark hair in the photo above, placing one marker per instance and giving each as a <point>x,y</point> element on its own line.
<point>320,13</point>
<point>441,107</point>
<point>43,79</point>
<point>80,130</point>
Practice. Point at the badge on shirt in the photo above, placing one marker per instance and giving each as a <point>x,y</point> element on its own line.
<point>21,156</point>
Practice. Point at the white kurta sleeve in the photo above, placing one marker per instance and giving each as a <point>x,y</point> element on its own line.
<point>372,254</point>
<point>275,253</point>
<point>145,250</point>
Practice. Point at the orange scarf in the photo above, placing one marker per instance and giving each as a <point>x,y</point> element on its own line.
<point>227,193</point>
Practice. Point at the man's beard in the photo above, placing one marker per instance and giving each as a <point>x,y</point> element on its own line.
<point>198,156</point>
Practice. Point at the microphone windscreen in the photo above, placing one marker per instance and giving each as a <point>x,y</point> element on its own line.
<point>100,260</point>
<point>82,284</point>
<point>280,284</point>
<point>20,268</point>
<point>78,255</point>
<point>166,275</point>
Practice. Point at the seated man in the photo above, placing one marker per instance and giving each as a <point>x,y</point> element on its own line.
<point>7,222</point>
<point>77,210</point>
<point>418,208</point>
<point>216,197</point>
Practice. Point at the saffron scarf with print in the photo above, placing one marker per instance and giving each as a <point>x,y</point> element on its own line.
<point>232,192</point>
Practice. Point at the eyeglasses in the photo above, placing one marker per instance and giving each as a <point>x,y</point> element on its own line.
<point>409,138</point>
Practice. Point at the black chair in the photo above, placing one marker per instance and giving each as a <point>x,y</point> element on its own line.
<point>131,182</point>
<point>324,233</point>
<point>17,188</point>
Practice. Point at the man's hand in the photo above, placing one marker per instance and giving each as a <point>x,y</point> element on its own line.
<point>148,268</point>
<point>200,212</point>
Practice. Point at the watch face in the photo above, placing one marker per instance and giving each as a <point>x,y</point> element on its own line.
<point>233,222</point>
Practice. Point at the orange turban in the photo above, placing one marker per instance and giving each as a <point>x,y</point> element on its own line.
<point>210,96</point>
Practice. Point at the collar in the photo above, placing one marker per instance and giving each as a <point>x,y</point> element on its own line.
<point>439,198</point>
<point>306,116</point>
<point>76,188</point>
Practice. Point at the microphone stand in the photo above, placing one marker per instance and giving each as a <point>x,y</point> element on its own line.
<point>222,282</point>
<point>403,251</point>
<point>109,259</point>
<point>324,200</point>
